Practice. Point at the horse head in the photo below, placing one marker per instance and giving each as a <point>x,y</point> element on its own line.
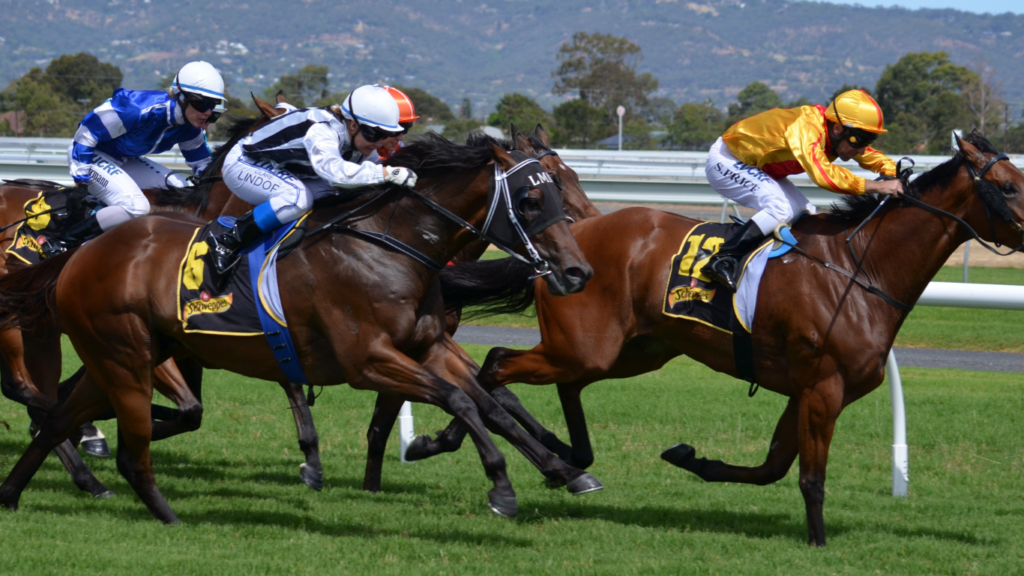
<point>567,269</point>
<point>577,205</point>
<point>997,191</point>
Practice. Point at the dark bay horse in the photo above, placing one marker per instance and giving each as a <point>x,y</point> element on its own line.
<point>821,340</point>
<point>360,313</point>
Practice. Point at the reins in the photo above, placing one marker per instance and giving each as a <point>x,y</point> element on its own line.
<point>904,176</point>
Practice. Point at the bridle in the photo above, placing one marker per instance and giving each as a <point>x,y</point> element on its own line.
<point>904,176</point>
<point>500,182</point>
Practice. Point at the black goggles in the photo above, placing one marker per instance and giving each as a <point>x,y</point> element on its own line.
<point>202,105</point>
<point>374,134</point>
<point>860,141</point>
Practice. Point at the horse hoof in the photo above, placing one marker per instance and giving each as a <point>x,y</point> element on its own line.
<point>504,506</point>
<point>554,483</point>
<point>97,447</point>
<point>584,484</point>
<point>313,478</point>
<point>418,448</point>
<point>104,495</point>
<point>679,455</point>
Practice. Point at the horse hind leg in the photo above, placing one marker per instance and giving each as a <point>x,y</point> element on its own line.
<point>181,382</point>
<point>86,402</point>
<point>311,472</point>
<point>782,452</point>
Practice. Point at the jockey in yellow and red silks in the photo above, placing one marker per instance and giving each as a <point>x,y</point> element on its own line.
<point>751,162</point>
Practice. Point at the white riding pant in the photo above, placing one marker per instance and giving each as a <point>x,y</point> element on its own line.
<point>119,185</point>
<point>777,201</point>
<point>259,181</point>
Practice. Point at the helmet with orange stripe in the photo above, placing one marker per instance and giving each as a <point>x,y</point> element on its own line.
<point>406,111</point>
<point>859,116</point>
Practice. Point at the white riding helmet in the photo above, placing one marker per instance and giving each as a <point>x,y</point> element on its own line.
<point>372,106</point>
<point>200,79</point>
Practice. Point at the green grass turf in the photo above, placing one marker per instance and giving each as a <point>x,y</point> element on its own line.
<point>927,326</point>
<point>235,486</point>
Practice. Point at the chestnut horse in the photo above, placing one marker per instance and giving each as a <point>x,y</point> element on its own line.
<point>362,312</point>
<point>822,341</point>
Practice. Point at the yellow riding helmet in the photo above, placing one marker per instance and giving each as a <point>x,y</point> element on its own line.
<point>856,110</point>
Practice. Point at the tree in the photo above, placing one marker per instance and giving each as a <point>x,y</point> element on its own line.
<point>83,79</point>
<point>307,87</point>
<point>921,100</point>
<point>981,94</point>
<point>601,70</point>
<point>520,110</point>
<point>47,112</point>
<point>753,99</point>
<point>695,126</point>
<point>579,125</point>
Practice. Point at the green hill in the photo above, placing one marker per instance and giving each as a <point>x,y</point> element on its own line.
<point>461,48</point>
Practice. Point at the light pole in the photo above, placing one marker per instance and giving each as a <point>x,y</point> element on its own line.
<point>621,111</point>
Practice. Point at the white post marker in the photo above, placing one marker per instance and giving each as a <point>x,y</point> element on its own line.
<point>900,457</point>
<point>405,430</point>
<point>621,111</point>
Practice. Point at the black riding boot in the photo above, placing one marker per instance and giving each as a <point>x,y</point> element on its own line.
<point>224,247</point>
<point>75,236</point>
<point>724,266</point>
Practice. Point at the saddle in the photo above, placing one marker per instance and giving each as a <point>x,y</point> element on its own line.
<point>48,217</point>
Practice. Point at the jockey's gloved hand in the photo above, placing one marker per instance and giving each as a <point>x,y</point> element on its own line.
<point>399,175</point>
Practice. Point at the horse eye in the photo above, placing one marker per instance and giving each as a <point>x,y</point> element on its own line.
<point>1008,189</point>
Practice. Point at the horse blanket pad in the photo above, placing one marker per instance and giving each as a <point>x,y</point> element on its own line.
<point>692,295</point>
<point>248,303</point>
<point>49,215</point>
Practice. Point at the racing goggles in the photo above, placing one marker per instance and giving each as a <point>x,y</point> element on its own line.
<point>203,105</point>
<point>373,134</point>
<point>859,139</point>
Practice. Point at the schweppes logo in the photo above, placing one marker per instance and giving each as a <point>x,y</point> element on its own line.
<point>206,304</point>
<point>689,293</point>
<point>26,241</point>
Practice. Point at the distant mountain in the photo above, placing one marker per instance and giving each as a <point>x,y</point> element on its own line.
<point>460,48</point>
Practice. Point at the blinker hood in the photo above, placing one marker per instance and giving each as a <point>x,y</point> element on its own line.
<point>512,187</point>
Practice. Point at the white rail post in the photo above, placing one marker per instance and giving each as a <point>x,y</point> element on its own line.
<point>900,467</point>
<point>406,433</point>
<point>967,253</point>
<point>725,210</point>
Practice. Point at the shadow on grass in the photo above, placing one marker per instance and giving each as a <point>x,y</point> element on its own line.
<point>297,522</point>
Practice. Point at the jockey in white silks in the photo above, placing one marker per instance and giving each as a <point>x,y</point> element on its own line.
<point>107,153</point>
<point>303,155</point>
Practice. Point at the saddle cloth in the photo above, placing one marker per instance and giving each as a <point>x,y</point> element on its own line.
<point>48,215</point>
<point>692,295</point>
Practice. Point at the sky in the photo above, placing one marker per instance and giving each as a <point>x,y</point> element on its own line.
<point>990,6</point>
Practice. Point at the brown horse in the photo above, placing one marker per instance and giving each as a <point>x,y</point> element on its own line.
<point>821,341</point>
<point>361,312</point>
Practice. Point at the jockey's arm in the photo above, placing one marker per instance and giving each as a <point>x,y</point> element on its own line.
<point>103,124</point>
<point>322,145</point>
<point>196,153</point>
<point>879,163</point>
<point>807,143</point>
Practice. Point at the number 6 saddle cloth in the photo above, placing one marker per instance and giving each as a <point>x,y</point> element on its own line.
<point>249,302</point>
<point>692,295</point>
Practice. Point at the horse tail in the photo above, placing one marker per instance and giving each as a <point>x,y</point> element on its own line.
<point>502,286</point>
<point>28,296</point>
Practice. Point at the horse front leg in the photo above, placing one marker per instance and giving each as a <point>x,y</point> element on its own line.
<point>782,452</point>
<point>310,471</point>
<point>385,412</point>
<point>819,408</point>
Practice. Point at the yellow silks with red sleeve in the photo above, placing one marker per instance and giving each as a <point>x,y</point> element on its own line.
<point>785,141</point>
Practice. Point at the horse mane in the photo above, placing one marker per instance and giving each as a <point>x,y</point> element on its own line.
<point>857,208</point>
<point>432,153</point>
<point>199,195</point>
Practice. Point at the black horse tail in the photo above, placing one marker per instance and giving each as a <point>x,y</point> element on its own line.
<point>28,296</point>
<point>502,286</point>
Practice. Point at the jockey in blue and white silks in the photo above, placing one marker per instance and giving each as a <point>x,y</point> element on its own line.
<point>108,149</point>
<point>302,155</point>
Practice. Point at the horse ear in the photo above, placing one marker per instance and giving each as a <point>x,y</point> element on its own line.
<point>969,151</point>
<point>279,97</point>
<point>504,159</point>
<point>264,107</point>
<point>521,142</point>
<point>542,135</point>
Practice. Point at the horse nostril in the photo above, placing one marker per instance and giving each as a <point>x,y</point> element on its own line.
<point>577,275</point>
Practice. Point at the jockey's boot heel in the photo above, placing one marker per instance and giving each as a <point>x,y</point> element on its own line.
<point>224,247</point>
<point>724,266</point>
<point>75,236</point>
